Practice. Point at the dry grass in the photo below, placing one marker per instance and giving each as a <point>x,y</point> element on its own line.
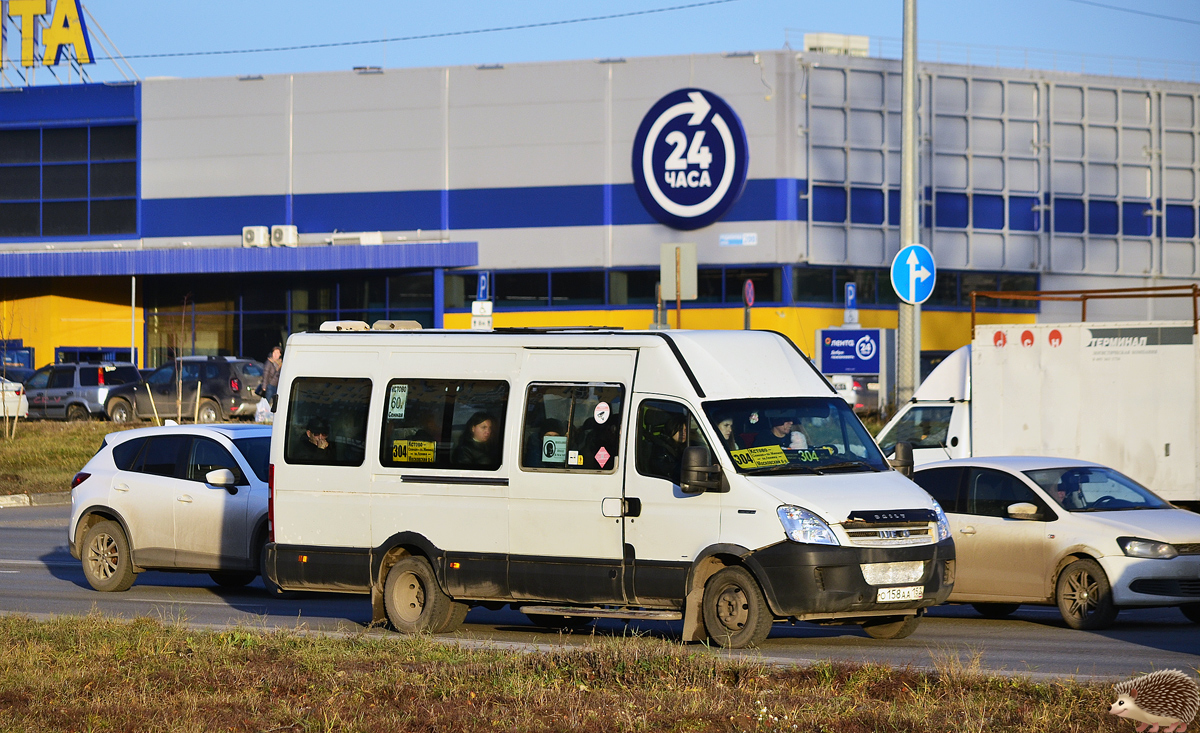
<point>102,675</point>
<point>45,455</point>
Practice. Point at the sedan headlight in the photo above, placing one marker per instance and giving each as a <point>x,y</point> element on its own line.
<point>1137,547</point>
<point>943,524</point>
<point>801,525</point>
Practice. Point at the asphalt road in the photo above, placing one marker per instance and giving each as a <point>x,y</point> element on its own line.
<point>38,576</point>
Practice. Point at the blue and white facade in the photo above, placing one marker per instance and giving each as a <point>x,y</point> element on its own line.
<point>1030,179</point>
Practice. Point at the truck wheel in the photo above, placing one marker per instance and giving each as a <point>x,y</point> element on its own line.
<point>1084,596</point>
<point>77,413</point>
<point>562,623</point>
<point>735,612</point>
<point>1192,611</point>
<point>996,610</point>
<point>209,412</point>
<point>415,602</point>
<point>120,412</point>
<point>107,564</point>
<point>890,627</point>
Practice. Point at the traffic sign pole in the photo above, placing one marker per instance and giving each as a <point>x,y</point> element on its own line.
<point>908,332</point>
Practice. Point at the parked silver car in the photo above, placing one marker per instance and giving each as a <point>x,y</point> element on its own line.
<point>76,391</point>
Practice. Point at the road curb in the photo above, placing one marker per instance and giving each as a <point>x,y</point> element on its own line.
<point>49,499</point>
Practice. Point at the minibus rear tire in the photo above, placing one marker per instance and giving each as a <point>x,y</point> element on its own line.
<point>415,602</point>
<point>736,614</point>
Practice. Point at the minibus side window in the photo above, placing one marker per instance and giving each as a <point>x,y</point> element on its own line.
<point>664,430</point>
<point>572,427</point>
<point>444,423</point>
<point>327,421</point>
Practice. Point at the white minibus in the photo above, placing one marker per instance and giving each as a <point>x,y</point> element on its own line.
<point>712,477</point>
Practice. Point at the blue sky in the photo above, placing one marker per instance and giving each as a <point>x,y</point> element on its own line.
<point>1066,26</point>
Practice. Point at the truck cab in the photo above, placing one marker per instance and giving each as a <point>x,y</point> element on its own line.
<point>937,421</point>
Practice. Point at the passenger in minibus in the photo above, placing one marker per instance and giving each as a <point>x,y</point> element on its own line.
<point>475,446</point>
<point>315,446</point>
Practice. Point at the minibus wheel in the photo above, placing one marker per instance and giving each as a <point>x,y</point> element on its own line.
<point>415,602</point>
<point>735,612</point>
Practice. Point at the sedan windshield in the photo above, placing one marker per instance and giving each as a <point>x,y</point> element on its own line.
<point>794,435</point>
<point>1094,489</point>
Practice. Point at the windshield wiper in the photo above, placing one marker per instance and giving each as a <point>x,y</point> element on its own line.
<point>781,469</point>
<point>846,464</point>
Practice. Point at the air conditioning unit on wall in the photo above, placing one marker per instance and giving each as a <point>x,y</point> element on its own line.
<point>284,235</point>
<point>256,237</point>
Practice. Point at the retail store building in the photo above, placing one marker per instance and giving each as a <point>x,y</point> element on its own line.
<point>404,184</point>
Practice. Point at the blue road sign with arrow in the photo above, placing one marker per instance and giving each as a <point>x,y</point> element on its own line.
<point>914,274</point>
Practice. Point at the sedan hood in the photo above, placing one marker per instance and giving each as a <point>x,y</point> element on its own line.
<point>1176,526</point>
<point>834,496</point>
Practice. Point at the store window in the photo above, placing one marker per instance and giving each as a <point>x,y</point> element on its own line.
<point>812,285</point>
<point>633,287</point>
<point>522,288</point>
<point>572,427</point>
<point>444,423</point>
<point>768,284</point>
<point>577,288</point>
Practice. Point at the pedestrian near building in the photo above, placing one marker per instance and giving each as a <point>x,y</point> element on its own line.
<point>270,378</point>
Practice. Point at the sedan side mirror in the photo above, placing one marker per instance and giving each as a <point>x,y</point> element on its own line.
<point>1024,510</point>
<point>698,472</point>
<point>222,477</point>
<point>902,459</point>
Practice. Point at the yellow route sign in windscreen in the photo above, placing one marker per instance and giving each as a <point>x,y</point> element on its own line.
<point>766,455</point>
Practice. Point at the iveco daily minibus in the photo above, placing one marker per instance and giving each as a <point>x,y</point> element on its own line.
<point>712,477</point>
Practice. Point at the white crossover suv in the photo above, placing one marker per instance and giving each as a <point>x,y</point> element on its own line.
<point>183,498</point>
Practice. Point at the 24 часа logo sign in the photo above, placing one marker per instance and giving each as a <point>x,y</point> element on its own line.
<point>689,159</point>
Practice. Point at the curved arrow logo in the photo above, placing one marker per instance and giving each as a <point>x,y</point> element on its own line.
<point>689,159</point>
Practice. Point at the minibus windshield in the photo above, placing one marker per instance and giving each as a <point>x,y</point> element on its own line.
<point>800,435</point>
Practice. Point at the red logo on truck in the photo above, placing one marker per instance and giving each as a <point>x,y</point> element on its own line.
<point>999,339</point>
<point>1027,338</point>
<point>1055,338</point>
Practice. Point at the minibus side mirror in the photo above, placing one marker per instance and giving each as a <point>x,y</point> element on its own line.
<point>902,459</point>
<point>699,473</point>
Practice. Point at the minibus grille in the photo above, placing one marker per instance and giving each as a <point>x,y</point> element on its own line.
<point>891,536</point>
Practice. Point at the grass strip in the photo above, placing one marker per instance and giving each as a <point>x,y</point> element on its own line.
<point>45,455</point>
<point>98,674</point>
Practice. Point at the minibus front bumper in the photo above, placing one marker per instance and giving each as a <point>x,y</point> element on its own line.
<point>822,581</point>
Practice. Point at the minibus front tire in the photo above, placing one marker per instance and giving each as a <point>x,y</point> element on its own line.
<point>736,614</point>
<point>415,602</point>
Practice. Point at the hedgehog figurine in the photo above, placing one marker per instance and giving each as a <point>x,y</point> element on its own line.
<point>1167,698</point>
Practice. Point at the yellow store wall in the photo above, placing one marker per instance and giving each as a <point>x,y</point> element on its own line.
<point>940,330</point>
<point>48,313</point>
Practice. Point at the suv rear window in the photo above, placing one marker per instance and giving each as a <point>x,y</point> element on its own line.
<point>90,376</point>
<point>250,369</point>
<point>125,453</point>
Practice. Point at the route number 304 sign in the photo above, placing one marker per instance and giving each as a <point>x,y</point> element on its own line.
<point>689,159</point>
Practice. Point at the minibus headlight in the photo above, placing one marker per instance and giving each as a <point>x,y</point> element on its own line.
<point>1137,547</point>
<point>801,525</point>
<point>943,526</point>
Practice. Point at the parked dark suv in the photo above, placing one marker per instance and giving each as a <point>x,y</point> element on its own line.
<point>226,390</point>
<point>77,391</point>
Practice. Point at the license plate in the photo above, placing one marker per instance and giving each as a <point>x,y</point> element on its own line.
<point>910,593</point>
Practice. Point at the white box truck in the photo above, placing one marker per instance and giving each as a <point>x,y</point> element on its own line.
<point>1121,394</point>
<point>708,476</point>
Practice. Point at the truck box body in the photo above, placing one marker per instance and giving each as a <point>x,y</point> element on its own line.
<point>1121,394</point>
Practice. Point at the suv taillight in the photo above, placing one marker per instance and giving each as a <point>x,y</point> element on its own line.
<point>80,478</point>
<point>100,376</point>
<point>20,390</point>
<point>271,503</point>
<point>235,384</point>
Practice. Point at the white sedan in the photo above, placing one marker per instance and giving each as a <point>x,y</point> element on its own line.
<point>15,403</point>
<point>187,498</point>
<point>1065,532</point>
